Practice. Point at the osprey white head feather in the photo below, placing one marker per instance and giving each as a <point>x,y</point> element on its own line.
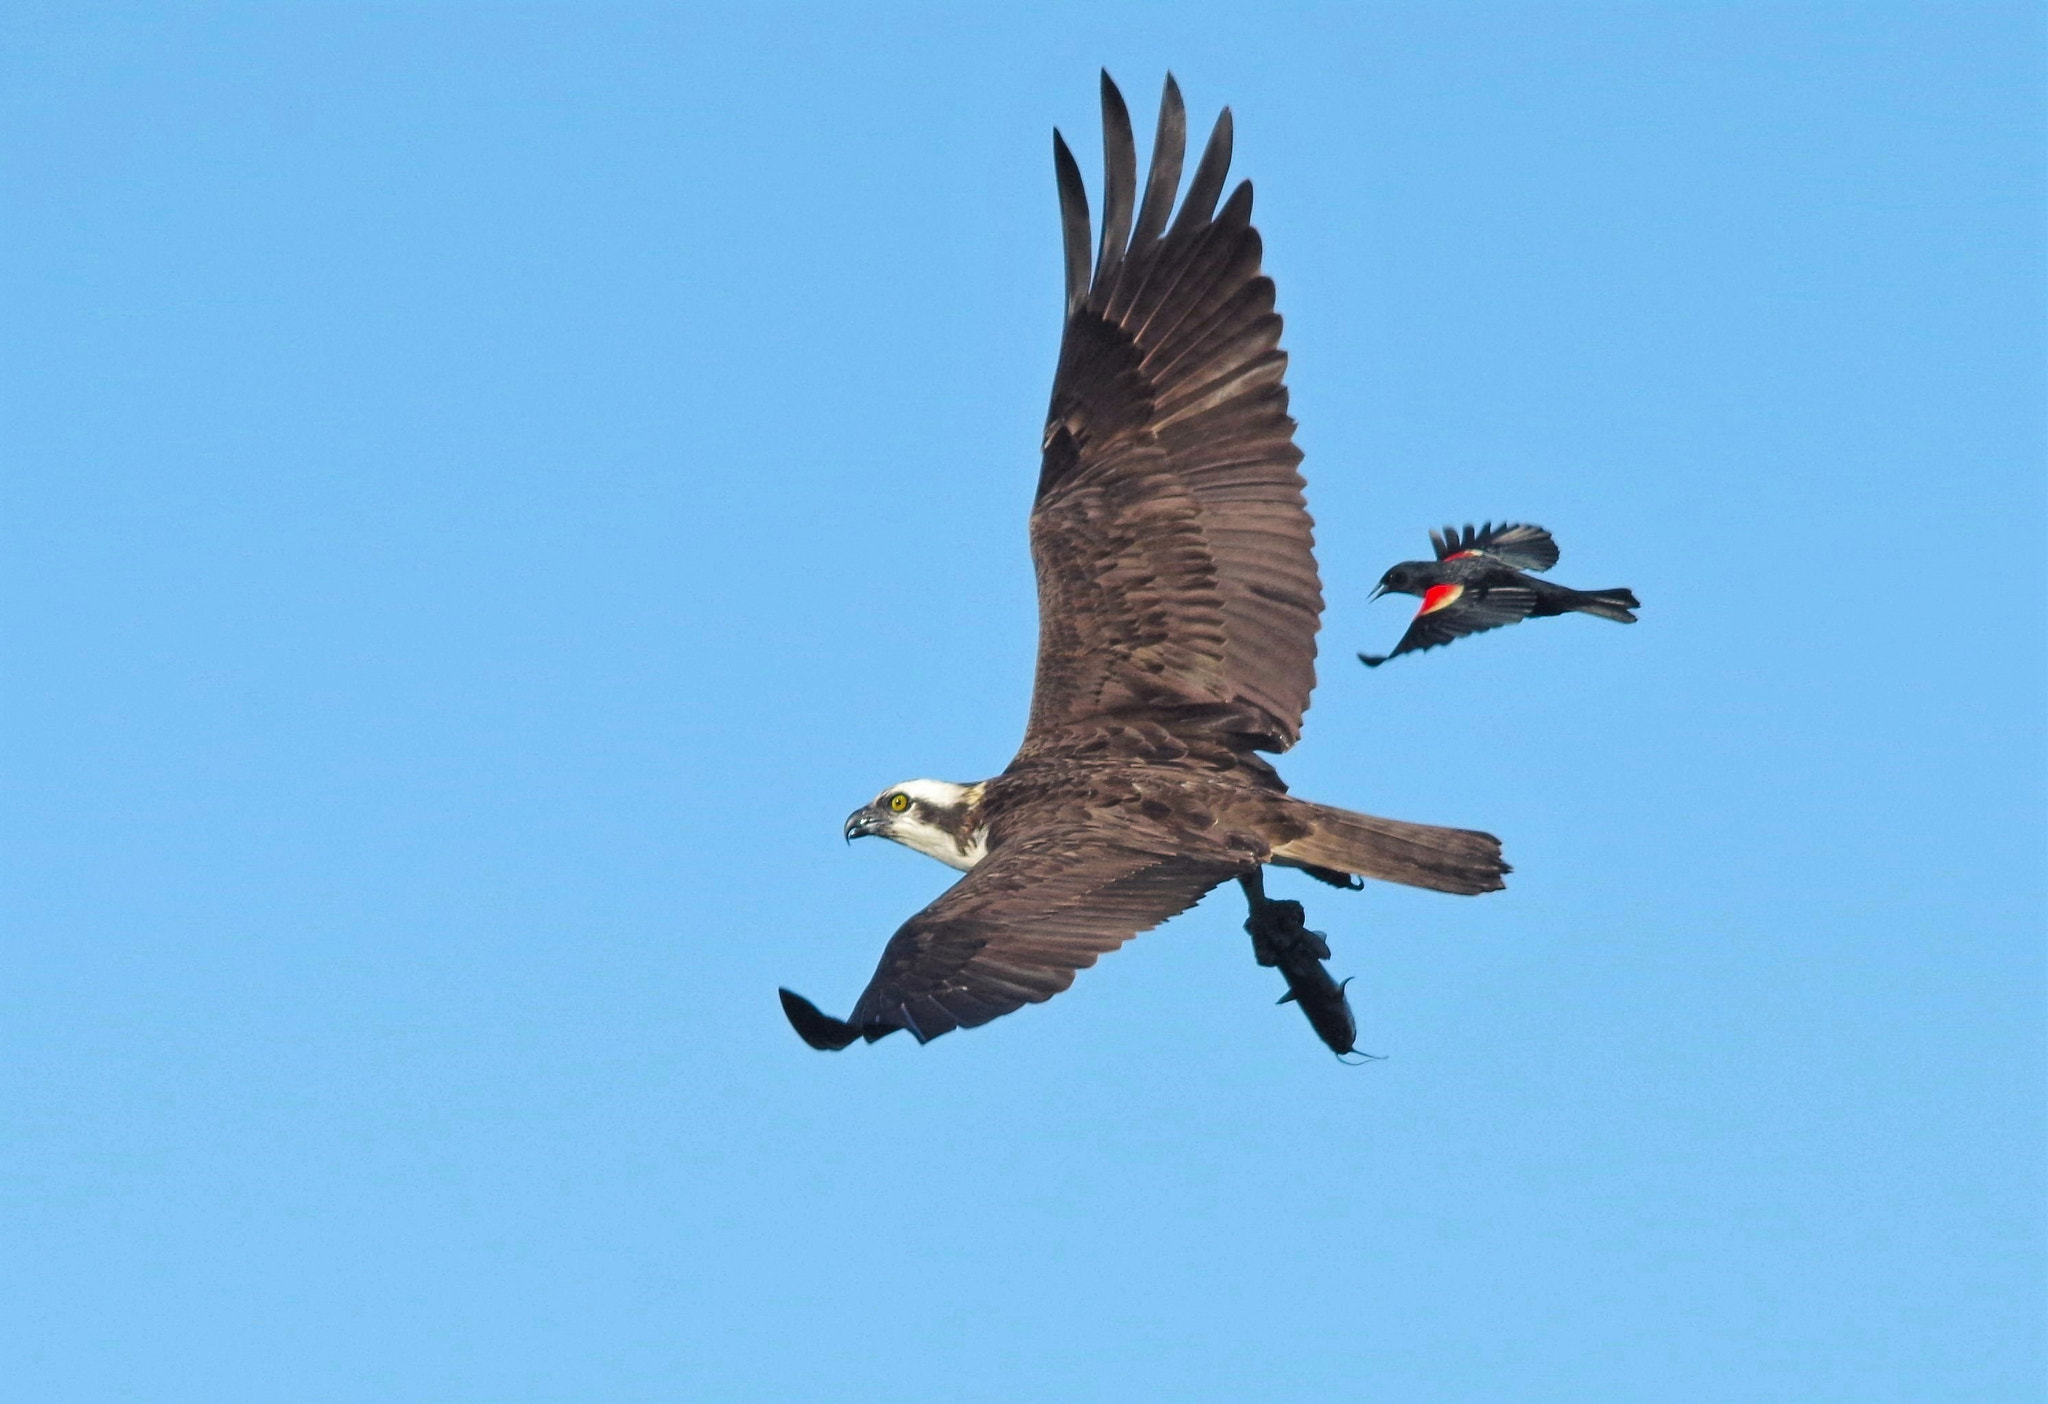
<point>937,818</point>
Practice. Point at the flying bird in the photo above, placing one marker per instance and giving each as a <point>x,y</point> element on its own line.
<point>1478,581</point>
<point>1178,602</point>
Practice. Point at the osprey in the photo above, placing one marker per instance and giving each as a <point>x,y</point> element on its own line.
<point>1178,602</point>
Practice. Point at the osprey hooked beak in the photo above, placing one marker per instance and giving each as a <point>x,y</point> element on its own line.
<point>865,822</point>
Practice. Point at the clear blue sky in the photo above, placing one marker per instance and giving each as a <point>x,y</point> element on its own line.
<point>488,489</point>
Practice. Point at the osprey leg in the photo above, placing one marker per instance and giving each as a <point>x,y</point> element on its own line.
<point>1278,929</point>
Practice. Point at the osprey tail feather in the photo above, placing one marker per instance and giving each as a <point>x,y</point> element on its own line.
<point>1420,855</point>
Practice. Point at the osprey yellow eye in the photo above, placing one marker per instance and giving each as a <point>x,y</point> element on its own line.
<point>899,802</point>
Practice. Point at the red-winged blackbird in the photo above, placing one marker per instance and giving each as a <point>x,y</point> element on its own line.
<point>1476,582</point>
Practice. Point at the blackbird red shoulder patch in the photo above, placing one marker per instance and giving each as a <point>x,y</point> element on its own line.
<point>1439,597</point>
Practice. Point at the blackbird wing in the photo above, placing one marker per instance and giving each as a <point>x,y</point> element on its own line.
<point>1452,611</point>
<point>1512,543</point>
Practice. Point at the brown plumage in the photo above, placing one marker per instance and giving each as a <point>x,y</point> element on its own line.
<point>1178,606</point>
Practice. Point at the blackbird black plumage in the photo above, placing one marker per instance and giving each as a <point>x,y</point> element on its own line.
<point>1479,580</point>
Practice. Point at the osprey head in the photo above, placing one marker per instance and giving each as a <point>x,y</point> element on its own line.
<point>938,818</point>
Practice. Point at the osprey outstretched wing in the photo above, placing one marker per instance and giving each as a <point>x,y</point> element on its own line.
<point>1178,602</point>
<point>1014,931</point>
<point>1176,574</point>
